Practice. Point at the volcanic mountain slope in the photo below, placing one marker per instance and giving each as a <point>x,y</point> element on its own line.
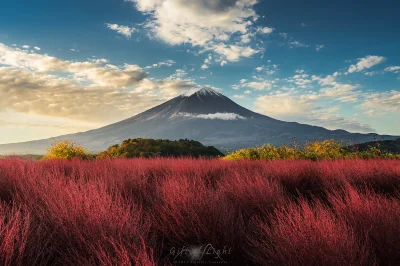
<point>206,116</point>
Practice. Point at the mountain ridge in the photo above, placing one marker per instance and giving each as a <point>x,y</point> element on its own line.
<point>204,115</point>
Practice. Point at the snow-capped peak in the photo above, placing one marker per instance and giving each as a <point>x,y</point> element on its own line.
<point>208,91</point>
<point>205,91</point>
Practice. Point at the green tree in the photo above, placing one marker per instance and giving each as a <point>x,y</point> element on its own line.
<point>150,148</point>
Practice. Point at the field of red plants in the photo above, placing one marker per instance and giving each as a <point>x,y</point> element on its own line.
<point>177,211</point>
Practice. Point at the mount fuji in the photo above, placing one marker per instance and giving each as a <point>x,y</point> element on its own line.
<point>206,116</point>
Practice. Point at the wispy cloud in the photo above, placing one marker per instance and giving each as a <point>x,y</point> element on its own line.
<point>305,109</point>
<point>366,63</point>
<point>166,63</point>
<point>297,44</point>
<point>220,116</point>
<point>388,101</point>
<point>123,30</point>
<point>394,69</point>
<point>128,75</point>
<point>319,47</point>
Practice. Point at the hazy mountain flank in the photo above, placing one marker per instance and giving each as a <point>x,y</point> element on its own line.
<point>206,116</point>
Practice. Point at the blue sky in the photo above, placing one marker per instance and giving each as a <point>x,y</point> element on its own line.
<point>75,65</point>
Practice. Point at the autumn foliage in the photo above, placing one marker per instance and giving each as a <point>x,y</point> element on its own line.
<point>133,212</point>
<point>67,149</point>
<point>316,150</point>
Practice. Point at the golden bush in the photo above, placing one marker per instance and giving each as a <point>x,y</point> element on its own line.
<point>67,149</point>
<point>317,150</point>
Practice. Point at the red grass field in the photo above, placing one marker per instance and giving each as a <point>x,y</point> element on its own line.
<point>137,212</point>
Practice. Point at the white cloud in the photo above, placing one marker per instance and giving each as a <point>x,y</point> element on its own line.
<point>246,38</point>
<point>238,96</point>
<point>301,80</point>
<point>26,46</point>
<point>283,35</point>
<point>319,47</point>
<point>203,23</point>
<point>304,109</point>
<point>247,92</point>
<point>236,87</point>
<point>335,90</point>
<point>220,116</point>
<point>282,104</point>
<point>366,63</point>
<point>197,21</point>
<point>36,48</point>
<point>394,69</point>
<point>263,85</point>
<point>265,30</point>
<point>372,113</point>
<point>371,73</point>
<point>43,94</point>
<point>270,70</point>
<point>340,90</point>
<point>233,52</point>
<point>125,76</point>
<point>124,30</point>
<point>99,61</point>
<point>259,69</point>
<point>167,63</point>
<point>388,101</point>
<point>207,61</point>
<point>297,44</point>
<point>179,73</point>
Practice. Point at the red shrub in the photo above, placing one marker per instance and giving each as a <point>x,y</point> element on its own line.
<point>301,234</point>
<point>191,213</point>
<point>14,233</point>
<point>131,212</point>
<point>375,217</point>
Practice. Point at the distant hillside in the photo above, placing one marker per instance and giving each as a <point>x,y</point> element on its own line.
<point>149,148</point>
<point>392,146</point>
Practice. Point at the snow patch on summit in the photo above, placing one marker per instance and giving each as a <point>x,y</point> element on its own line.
<point>202,92</point>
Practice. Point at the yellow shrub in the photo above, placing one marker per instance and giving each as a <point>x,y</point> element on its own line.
<point>267,152</point>
<point>67,149</point>
<point>328,149</point>
<point>318,150</point>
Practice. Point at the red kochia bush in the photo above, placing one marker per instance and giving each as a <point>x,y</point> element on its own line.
<point>132,212</point>
<point>301,234</point>
<point>14,233</point>
<point>374,216</point>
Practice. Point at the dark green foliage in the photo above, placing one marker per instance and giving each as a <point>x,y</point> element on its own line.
<point>149,148</point>
<point>392,146</point>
